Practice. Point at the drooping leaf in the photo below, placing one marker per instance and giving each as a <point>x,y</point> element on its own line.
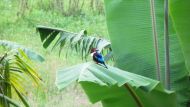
<point>50,39</point>
<point>14,46</point>
<point>27,69</point>
<point>79,42</point>
<point>108,86</point>
<point>46,31</point>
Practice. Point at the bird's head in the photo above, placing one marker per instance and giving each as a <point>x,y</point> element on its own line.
<point>93,50</point>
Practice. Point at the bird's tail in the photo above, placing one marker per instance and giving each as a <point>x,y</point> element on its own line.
<point>105,65</point>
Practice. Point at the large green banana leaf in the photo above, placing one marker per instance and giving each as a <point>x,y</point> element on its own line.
<point>179,10</point>
<point>130,29</point>
<point>108,86</point>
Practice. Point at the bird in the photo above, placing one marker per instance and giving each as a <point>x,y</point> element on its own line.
<point>97,57</point>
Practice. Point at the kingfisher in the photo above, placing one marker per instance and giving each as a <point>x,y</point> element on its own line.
<point>97,57</point>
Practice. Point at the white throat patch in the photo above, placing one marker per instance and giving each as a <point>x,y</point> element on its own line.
<point>92,53</point>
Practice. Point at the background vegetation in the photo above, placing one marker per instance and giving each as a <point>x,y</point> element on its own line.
<point>18,20</point>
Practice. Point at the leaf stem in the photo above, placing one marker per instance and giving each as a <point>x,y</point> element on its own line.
<point>134,95</point>
<point>154,31</point>
<point>166,37</point>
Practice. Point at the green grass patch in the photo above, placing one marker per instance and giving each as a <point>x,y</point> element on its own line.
<point>21,29</point>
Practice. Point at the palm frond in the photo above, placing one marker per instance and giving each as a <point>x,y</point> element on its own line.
<point>15,46</point>
<point>9,100</point>
<point>26,67</point>
<point>17,79</point>
<point>20,72</point>
<point>79,42</point>
<point>23,99</point>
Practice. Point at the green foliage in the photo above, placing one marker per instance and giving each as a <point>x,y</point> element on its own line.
<point>22,30</point>
<point>9,100</point>
<point>16,74</point>
<point>138,56</point>
<point>108,86</point>
<point>139,53</point>
<point>14,47</point>
<point>180,17</point>
<point>79,42</point>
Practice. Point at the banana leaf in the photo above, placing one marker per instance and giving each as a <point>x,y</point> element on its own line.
<point>180,16</point>
<point>130,29</point>
<point>109,86</point>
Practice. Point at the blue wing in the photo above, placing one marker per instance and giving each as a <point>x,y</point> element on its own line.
<point>99,57</point>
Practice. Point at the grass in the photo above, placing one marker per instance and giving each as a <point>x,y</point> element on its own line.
<point>22,30</point>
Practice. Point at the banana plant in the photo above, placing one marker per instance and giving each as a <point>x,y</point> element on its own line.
<point>16,72</point>
<point>141,55</point>
<point>134,21</point>
<point>93,77</point>
<point>118,84</point>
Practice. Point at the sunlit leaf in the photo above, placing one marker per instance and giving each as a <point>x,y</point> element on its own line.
<point>108,86</point>
<point>17,73</point>
<point>25,102</point>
